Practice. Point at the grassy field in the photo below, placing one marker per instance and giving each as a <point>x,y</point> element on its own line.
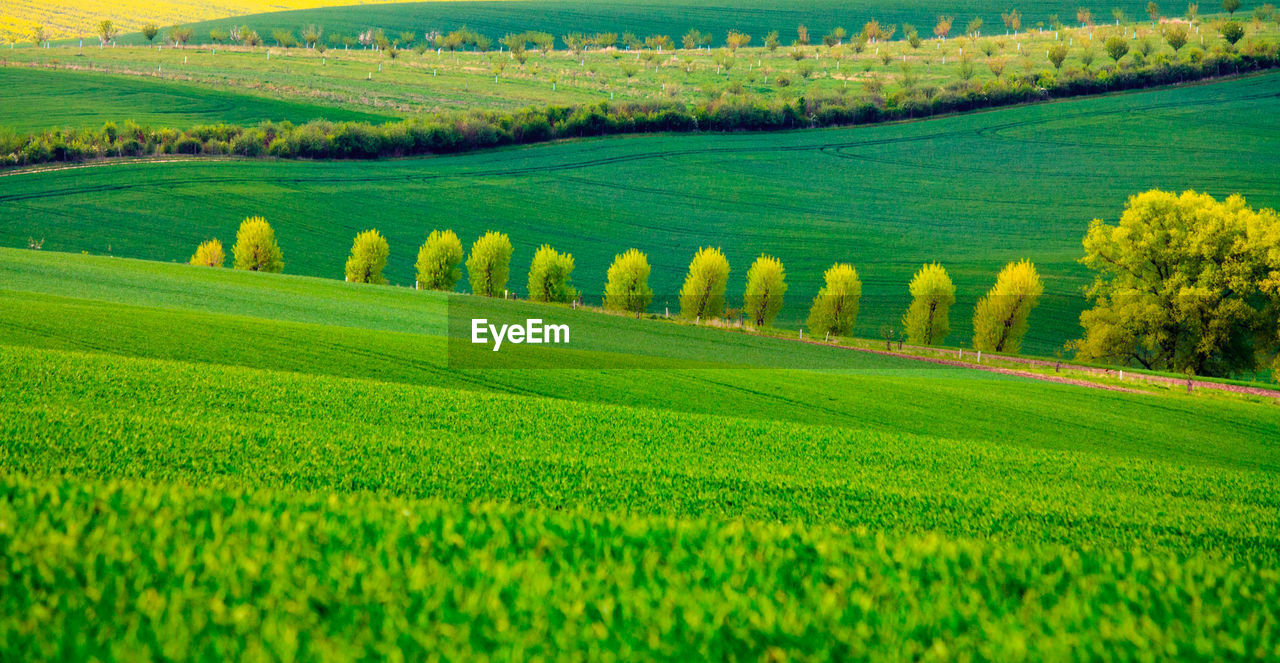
<point>91,99</point>
<point>171,470</point>
<point>430,82</point>
<point>174,312</point>
<point>674,17</point>
<point>970,191</point>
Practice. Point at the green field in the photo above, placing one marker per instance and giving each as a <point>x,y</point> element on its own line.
<point>669,17</point>
<point>971,191</point>
<point>256,463</point>
<point>431,82</point>
<point>89,99</point>
<point>227,465</point>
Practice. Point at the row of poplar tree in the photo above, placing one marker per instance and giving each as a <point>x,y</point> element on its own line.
<point>1000,318</point>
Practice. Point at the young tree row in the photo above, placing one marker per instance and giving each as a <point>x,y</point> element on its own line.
<point>1000,318</point>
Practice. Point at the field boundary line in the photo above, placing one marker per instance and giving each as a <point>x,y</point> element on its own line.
<point>996,369</point>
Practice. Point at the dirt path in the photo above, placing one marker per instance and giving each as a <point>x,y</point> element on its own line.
<point>1108,372</point>
<point>1003,371</point>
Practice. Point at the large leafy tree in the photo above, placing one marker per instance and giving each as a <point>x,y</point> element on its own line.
<point>1183,282</point>
<point>256,249</point>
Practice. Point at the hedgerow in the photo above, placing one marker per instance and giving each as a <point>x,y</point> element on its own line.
<point>458,132</point>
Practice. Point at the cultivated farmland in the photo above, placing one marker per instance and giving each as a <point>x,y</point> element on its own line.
<point>998,186</point>
<point>411,77</point>
<point>175,401</point>
<point>647,343</point>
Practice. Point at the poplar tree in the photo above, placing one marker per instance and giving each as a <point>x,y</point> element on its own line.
<point>549,276</point>
<point>209,254</point>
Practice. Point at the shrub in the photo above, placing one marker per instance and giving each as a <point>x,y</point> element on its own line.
<point>256,249</point>
<point>549,276</point>
<point>627,285</point>
<point>368,258</point>
<point>928,319</point>
<point>489,264</point>
<point>209,254</point>
<point>702,295</point>
<point>835,308</point>
<point>766,287</point>
<point>438,261</point>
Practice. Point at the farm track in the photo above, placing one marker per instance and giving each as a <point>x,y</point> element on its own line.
<point>1115,373</point>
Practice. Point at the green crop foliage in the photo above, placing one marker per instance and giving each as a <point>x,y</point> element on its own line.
<point>787,194</point>
<point>194,572</point>
<point>80,99</point>
<point>180,476</point>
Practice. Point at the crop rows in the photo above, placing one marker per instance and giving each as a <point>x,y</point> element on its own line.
<point>107,417</point>
<point>130,570</point>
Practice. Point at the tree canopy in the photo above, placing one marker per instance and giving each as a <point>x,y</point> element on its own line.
<point>438,261</point>
<point>627,285</point>
<point>489,265</point>
<point>1184,283</point>
<point>928,320</point>
<point>368,258</point>
<point>766,287</point>
<point>256,249</point>
<point>702,295</point>
<point>1001,318</point>
<point>835,308</point>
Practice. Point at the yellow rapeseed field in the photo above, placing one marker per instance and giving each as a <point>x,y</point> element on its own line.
<point>74,18</point>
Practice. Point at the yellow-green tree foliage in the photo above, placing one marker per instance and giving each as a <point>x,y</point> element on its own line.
<point>702,295</point>
<point>368,258</point>
<point>835,309</point>
<point>489,264</point>
<point>928,319</point>
<point>256,249</point>
<point>627,285</point>
<point>439,260</point>
<point>1183,282</point>
<point>766,286</point>
<point>209,254</point>
<point>549,276</point>
<point>1001,318</point>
